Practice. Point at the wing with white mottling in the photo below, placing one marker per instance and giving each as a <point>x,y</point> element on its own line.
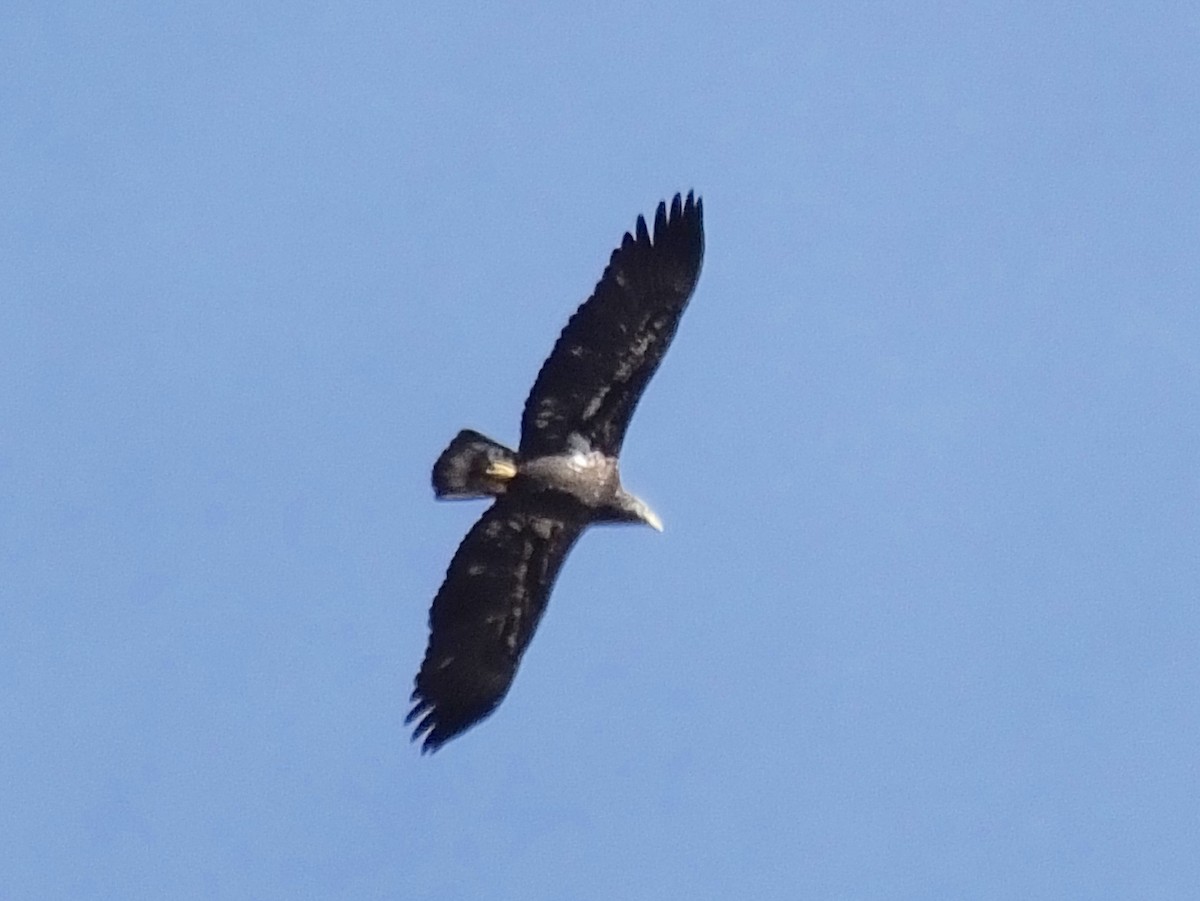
<point>485,614</point>
<point>593,379</point>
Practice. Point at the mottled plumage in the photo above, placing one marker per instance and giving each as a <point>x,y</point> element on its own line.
<point>564,477</point>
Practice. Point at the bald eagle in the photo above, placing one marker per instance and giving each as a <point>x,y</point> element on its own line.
<point>562,479</point>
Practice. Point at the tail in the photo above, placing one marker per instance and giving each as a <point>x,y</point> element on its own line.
<point>473,466</point>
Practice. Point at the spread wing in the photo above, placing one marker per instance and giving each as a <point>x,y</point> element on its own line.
<point>593,379</point>
<point>485,614</point>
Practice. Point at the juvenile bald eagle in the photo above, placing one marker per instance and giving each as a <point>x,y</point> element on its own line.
<point>564,477</point>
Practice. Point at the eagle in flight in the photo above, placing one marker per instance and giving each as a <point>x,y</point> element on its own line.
<point>563,478</point>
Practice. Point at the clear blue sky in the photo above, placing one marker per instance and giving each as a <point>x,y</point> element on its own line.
<point>924,621</point>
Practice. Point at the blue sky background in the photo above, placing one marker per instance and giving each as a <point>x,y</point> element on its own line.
<point>924,620</point>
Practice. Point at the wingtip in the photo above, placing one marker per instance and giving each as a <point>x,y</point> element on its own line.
<point>686,206</point>
<point>425,731</point>
<point>434,724</point>
<point>681,208</point>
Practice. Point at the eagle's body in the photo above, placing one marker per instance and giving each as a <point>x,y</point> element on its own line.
<point>564,477</point>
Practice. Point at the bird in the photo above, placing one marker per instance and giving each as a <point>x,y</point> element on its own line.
<point>563,477</point>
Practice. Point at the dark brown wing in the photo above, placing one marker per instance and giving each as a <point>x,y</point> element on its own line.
<point>595,376</point>
<point>485,614</point>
